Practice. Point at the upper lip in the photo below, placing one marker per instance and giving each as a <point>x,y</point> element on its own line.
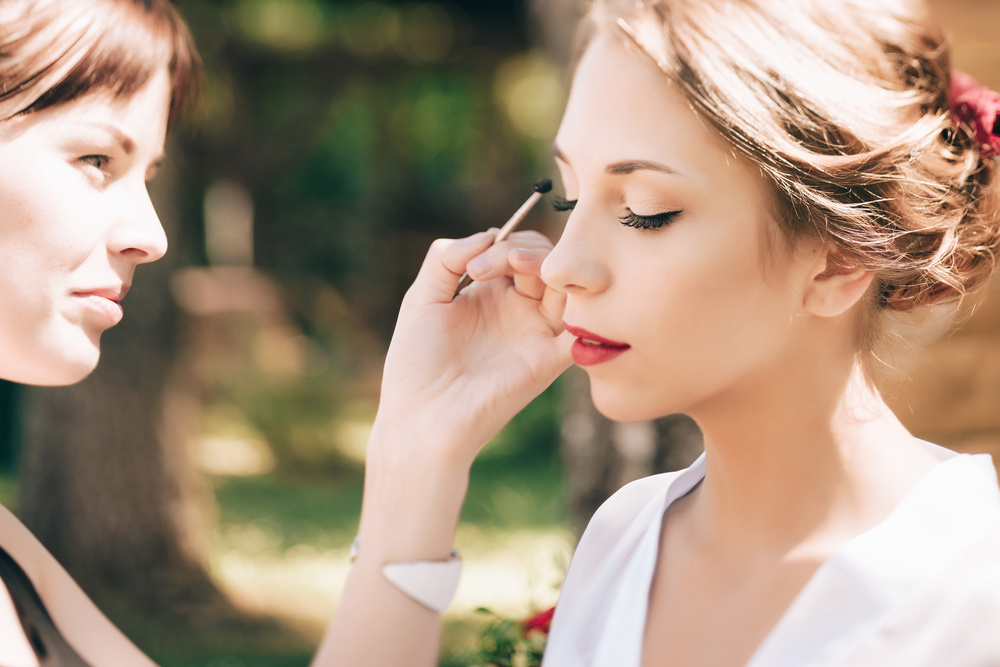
<point>115,294</point>
<point>583,333</point>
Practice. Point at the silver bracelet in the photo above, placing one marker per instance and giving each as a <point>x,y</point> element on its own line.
<point>432,583</point>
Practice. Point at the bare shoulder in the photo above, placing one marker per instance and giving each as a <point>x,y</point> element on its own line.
<point>83,625</point>
<point>15,650</point>
<point>24,547</point>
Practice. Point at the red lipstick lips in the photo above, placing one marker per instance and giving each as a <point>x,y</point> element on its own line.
<point>590,349</point>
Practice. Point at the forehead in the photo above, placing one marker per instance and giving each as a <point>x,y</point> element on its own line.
<point>622,107</point>
<point>145,106</point>
<point>141,117</point>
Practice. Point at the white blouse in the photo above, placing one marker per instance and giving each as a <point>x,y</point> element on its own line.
<point>922,588</point>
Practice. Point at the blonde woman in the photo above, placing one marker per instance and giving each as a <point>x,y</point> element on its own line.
<point>758,190</point>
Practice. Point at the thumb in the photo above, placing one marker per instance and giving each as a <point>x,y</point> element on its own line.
<point>444,265</point>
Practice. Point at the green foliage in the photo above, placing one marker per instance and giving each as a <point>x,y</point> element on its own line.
<point>504,643</point>
<point>8,490</point>
<point>321,514</point>
<point>298,421</point>
<point>533,434</point>
<point>362,130</point>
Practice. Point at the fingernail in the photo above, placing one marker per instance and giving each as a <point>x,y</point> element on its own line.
<point>479,265</point>
<point>526,255</point>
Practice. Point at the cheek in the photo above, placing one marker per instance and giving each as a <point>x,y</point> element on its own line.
<point>712,310</point>
<point>44,242</point>
<point>703,284</point>
<point>57,231</point>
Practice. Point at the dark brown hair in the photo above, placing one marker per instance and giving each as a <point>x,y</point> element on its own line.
<point>55,51</point>
<point>844,106</point>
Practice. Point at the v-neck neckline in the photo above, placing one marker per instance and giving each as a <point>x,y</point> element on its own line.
<point>857,590</point>
<point>852,593</point>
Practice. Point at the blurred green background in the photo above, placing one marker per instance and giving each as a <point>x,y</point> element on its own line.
<point>343,138</point>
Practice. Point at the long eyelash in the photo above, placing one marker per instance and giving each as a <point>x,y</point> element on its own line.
<point>648,221</point>
<point>560,204</point>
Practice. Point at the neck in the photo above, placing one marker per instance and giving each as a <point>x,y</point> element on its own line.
<point>802,462</point>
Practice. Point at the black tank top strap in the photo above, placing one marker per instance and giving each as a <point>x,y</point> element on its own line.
<point>49,645</point>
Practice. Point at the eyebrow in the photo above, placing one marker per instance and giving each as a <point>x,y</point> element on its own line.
<point>625,166</point>
<point>127,144</point>
<point>125,141</point>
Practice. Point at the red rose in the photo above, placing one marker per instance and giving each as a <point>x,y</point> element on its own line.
<point>978,109</point>
<point>541,621</point>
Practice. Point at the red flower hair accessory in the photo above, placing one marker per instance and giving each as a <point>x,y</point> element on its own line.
<point>978,109</point>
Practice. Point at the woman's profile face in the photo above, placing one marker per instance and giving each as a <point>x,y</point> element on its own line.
<point>664,257</point>
<point>75,221</point>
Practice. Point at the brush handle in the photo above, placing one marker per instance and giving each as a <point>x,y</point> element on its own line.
<point>505,231</point>
<point>519,215</point>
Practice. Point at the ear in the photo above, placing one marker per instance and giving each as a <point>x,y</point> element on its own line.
<point>836,283</point>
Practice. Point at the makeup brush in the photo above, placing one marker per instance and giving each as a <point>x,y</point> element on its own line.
<point>540,188</point>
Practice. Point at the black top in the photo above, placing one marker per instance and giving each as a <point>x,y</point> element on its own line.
<point>49,645</point>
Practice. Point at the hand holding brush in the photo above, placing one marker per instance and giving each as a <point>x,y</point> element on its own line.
<point>540,188</point>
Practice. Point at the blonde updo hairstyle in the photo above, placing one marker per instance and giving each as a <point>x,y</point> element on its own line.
<point>844,106</point>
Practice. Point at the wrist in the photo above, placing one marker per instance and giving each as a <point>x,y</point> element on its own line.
<point>413,496</point>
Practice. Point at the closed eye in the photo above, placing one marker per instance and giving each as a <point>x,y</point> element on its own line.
<point>630,219</point>
<point>560,204</point>
<point>656,221</point>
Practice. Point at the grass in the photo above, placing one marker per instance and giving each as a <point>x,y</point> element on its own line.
<point>279,552</point>
<point>280,547</point>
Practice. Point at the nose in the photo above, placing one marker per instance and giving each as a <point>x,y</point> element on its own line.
<point>137,233</point>
<point>576,264</point>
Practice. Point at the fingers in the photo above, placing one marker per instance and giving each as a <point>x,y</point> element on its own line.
<point>444,265</point>
<point>527,265</point>
<point>553,308</point>
<point>520,257</point>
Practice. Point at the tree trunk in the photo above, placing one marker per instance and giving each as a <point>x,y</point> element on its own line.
<point>105,483</point>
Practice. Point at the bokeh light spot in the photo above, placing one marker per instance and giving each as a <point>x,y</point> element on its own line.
<point>529,90</point>
<point>428,32</point>
<point>371,29</point>
<point>284,25</point>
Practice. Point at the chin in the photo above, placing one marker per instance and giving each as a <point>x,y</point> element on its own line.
<point>621,405</point>
<point>72,376</point>
<point>76,367</point>
<point>59,375</point>
<point>58,370</point>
